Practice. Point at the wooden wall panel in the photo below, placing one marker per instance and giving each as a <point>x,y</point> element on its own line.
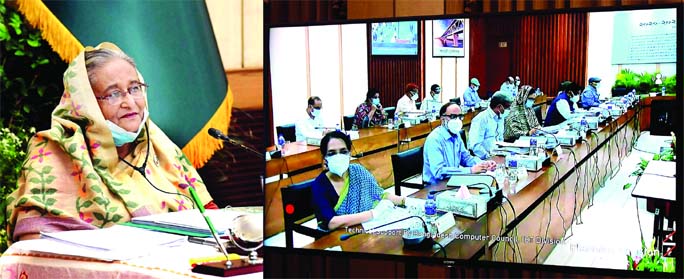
<point>455,6</point>
<point>418,8</point>
<point>357,9</point>
<point>390,74</point>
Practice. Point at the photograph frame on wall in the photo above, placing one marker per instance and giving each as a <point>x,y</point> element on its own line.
<point>400,38</point>
<point>448,38</point>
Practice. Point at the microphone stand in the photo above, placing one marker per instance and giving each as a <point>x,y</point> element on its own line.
<point>239,144</point>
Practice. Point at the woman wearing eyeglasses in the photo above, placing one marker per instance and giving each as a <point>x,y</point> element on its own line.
<point>103,161</point>
<point>346,194</point>
<point>521,121</point>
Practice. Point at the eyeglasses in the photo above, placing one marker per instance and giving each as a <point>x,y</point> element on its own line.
<point>335,152</point>
<point>116,96</point>
<point>454,116</point>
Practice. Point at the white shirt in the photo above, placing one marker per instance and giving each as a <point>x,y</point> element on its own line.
<point>309,128</point>
<point>430,103</point>
<point>564,109</point>
<point>405,104</point>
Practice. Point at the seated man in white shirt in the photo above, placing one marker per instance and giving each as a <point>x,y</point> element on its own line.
<point>432,102</point>
<point>563,107</point>
<point>312,125</point>
<point>509,86</point>
<point>488,126</point>
<point>407,102</point>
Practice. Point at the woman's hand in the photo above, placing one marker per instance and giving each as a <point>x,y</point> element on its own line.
<point>533,131</point>
<point>383,207</point>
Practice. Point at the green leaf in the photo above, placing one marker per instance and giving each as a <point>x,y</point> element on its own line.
<point>49,179</point>
<point>22,201</point>
<point>33,43</point>
<point>46,169</point>
<point>26,109</point>
<point>112,209</point>
<point>131,204</point>
<point>35,180</point>
<point>626,186</point>
<point>43,61</point>
<point>50,201</point>
<point>35,191</point>
<point>15,22</point>
<point>98,216</point>
<point>87,204</point>
<point>55,212</point>
<point>4,35</point>
<point>50,191</point>
<point>96,189</point>
<point>100,201</point>
<point>124,191</point>
<point>116,218</point>
<point>92,176</point>
<point>19,53</point>
<point>37,198</point>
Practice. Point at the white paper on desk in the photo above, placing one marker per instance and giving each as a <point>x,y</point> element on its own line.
<point>191,220</point>
<point>663,168</point>
<point>113,243</point>
<point>396,214</point>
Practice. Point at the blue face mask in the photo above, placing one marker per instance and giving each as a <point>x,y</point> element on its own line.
<point>529,103</point>
<point>376,101</point>
<point>316,112</point>
<point>122,136</point>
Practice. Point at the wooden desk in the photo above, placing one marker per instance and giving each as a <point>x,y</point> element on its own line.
<point>660,189</point>
<point>546,204</point>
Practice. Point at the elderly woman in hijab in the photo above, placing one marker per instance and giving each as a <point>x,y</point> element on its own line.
<point>521,121</point>
<point>103,161</point>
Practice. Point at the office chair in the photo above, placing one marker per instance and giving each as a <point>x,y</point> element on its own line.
<point>538,113</point>
<point>348,121</point>
<point>297,209</point>
<point>288,132</point>
<point>662,117</point>
<point>406,164</point>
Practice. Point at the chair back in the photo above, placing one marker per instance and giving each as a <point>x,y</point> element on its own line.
<point>538,113</point>
<point>390,112</point>
<point>288,132</point>
<point>406,164</point>
<point>297,205</point>
<point>348,121</point>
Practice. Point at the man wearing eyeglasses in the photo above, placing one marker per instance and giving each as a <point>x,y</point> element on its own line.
<point>488,126</point>
<point>445,154</point>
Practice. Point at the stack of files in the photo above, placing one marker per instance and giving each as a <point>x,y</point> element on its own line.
<point>187,222</point>
<point>108,244</point>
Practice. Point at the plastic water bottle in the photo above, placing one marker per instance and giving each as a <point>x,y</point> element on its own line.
<point>430,212</point>
<point>584,126</point>
<point>281,142</point>
<point>434,115</point>
<point>662,90</point>
<point>396,121</point>
<point>337,127</point>
<point>513,171</point>
<point>533,146</point>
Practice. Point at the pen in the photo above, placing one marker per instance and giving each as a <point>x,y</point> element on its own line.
<point>195,198</point>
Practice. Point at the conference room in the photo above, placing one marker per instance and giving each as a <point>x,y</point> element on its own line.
<point>584,187</point>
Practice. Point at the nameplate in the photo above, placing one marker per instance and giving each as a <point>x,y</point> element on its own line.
<point>445,222</point>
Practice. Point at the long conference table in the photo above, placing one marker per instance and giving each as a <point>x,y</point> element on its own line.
<point>534,217</point>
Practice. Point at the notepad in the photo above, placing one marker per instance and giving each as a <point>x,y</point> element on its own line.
<point>188,222</point>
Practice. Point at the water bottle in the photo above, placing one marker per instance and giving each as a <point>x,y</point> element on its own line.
<point>434,115</point>
<point>396,121</point>
<point>513,171</point>
<point>584,126</point>
<point>337,127</point>
<point>662,90</point>
<point>430,212</point>
<point>281,142</point>
<point>533,146</point>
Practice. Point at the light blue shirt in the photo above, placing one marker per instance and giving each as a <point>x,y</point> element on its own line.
<point>470,97</point>
<point>510,88</point>
<point>485,129</point>
<point>590,97</point>
<point>445,155</point>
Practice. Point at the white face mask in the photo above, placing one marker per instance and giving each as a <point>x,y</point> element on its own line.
<point>375,101</point>
<point>338,163</point>
<point>517,83</point>
<point>454,126</point>
<point>476,88</point>
<point>316,112</point>
<point>529,103</point>
<point>574,99</point>
<point>121,136</point>
<point>414,96</point>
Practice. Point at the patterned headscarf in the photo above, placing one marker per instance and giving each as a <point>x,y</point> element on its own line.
<point>73,179</point>
<point>521,119</point>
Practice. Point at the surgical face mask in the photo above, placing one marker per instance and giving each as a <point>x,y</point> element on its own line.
<point>122,136</point>
<point>438,91</point>
<point>597,85</point>
<point>338,163</point>
<point>504,114</point>
<point>375,101</point>
<point>414,96</point>
<point>454,126</point>
<point>517,83</point>
<point>529,103</point>
<point>476,88</point>
<point>574,99</point>
<point>316,112</point>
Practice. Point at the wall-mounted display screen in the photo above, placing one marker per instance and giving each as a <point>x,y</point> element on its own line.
<point>394,38</point>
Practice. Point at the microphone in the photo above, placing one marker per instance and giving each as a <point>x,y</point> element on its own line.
<point>554,136</point>
<point>347,236</point>
<point>216,133</point>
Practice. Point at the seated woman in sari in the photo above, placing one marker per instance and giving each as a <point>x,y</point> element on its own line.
<point>103,161</point>
<point>346,194</point>
<point>521,121</point>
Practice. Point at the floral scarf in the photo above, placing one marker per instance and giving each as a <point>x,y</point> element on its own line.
<point>73,179</point>
<point>521,119</point>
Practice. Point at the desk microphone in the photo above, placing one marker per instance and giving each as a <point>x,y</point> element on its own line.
<point>347,236</point>
<point>554,136</point>
<point>216,133</point>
